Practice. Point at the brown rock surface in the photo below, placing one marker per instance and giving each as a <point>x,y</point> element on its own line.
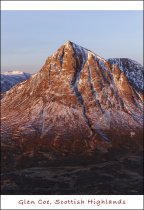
<point>76,103</point>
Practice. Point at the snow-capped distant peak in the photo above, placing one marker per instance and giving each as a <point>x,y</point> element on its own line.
<point>13,72</point>
<point>11,78</point>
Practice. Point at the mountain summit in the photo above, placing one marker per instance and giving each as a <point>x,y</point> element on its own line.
<point>78,102</point>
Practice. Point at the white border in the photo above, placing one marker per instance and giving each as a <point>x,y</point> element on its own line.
<point>11,201</point>
<point>71,5</point>
<point>21,202</point>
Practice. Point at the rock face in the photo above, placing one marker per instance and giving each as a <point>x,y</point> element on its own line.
<point>133,71</point>
<point>77,102</point>
<point>11,78</point>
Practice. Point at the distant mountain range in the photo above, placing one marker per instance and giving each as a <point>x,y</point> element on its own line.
<point>77,103</point>
<point>11,78</point>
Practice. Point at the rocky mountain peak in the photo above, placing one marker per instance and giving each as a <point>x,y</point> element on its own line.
<point>69,43</point>
<point>77,102</point>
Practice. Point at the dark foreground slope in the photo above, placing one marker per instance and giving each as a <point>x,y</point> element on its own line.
<point>116,175</point>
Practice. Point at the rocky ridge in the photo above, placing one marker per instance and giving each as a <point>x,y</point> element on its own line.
<point>77,103</point>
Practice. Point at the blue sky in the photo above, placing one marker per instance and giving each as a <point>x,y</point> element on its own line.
<point>29,37</point>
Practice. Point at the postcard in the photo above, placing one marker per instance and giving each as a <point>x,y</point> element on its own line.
<point>71,105</point>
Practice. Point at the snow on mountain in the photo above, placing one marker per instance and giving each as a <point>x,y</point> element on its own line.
<point>14,73</point>
<point>11,78</point>
<point>132,69</point>
<point>77,102</point>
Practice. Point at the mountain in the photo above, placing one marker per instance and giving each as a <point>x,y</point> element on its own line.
<point>77,103</point>
<point>132,69</point>
<point>11,78</point>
